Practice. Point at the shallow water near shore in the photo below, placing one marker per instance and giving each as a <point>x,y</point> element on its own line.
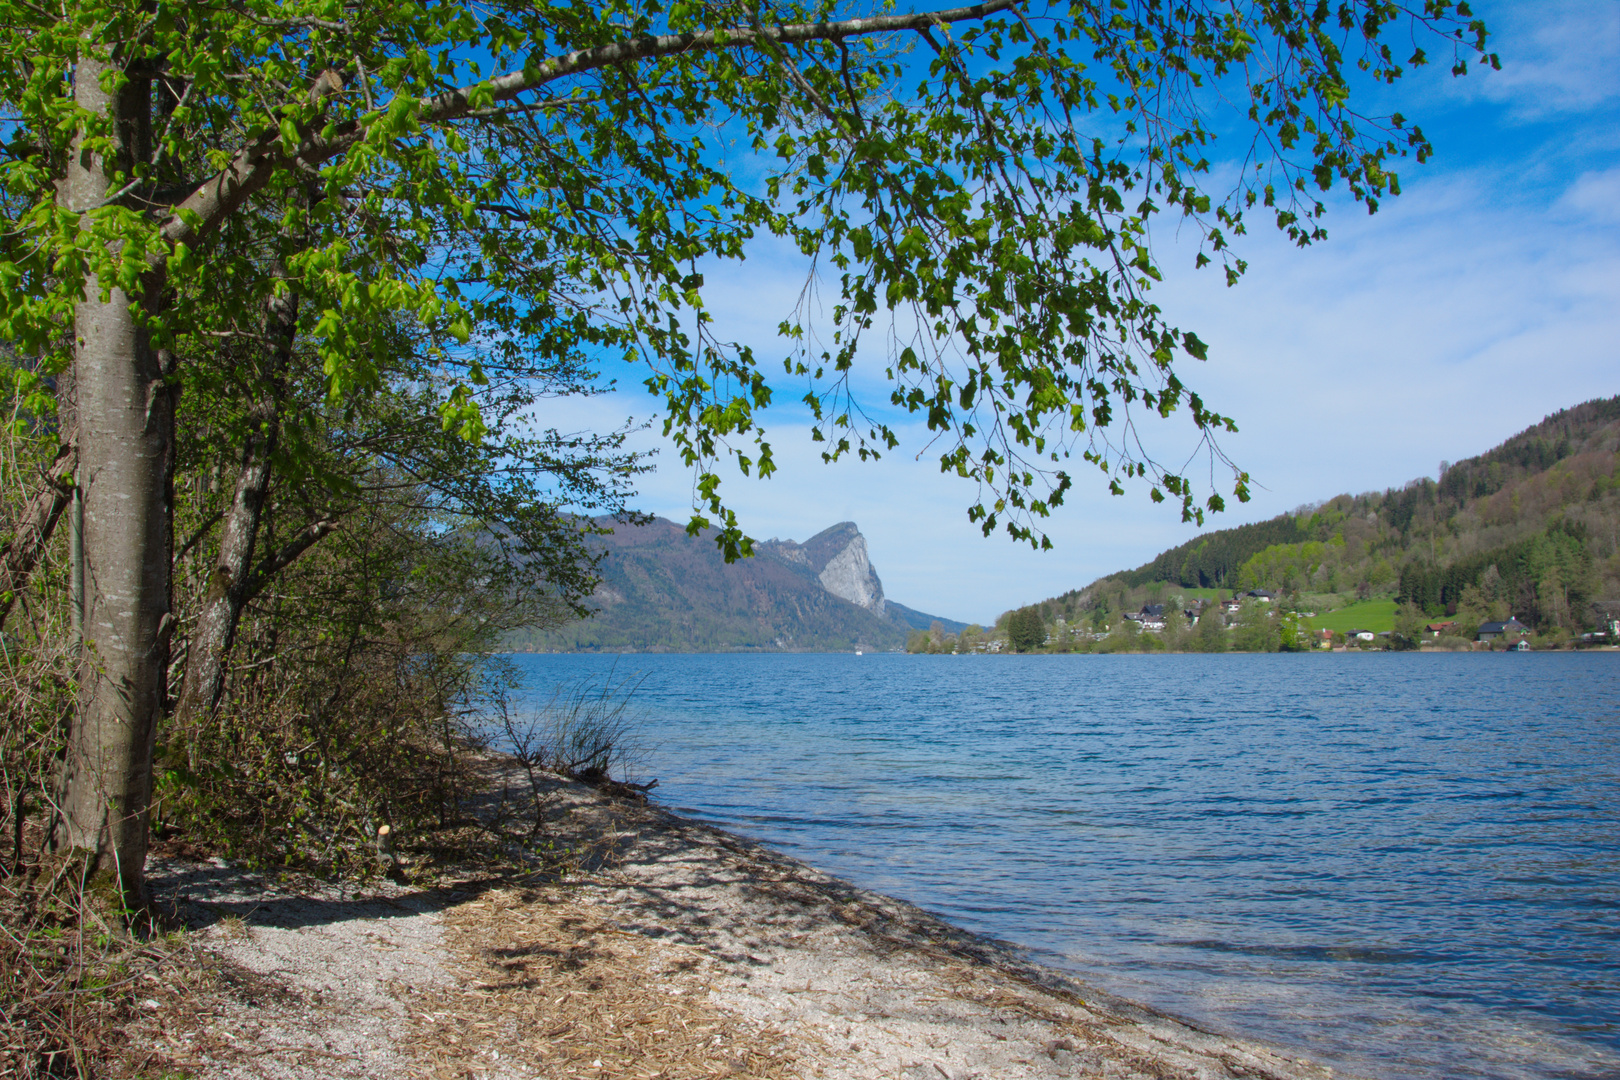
<point>1403,866</point>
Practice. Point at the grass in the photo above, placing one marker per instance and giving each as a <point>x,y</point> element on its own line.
<point>1170,590</point>
<point>1374,615</point>
<point>1197,594</point>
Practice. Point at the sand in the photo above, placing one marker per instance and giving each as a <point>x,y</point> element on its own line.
<point>671,949</point>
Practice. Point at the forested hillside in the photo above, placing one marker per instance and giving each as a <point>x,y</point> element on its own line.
<point>1530,528</point>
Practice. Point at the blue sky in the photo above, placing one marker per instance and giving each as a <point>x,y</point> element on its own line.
<point>1483,298</point>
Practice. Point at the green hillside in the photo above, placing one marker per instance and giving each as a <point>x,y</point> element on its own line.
<point>1375,615</point>
<point>1529,528</point>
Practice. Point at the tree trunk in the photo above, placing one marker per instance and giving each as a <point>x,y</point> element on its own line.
<point>208,651</point>
<point>126,436</point>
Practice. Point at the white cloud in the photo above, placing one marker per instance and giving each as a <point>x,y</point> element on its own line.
<point>1594,196</point>
<point>1557,57</point>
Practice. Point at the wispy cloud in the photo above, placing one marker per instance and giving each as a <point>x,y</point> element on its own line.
<point>1557,57</point>
<point>1594,197</point>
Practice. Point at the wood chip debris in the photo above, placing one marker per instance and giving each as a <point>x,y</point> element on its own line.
<point>549,987</point>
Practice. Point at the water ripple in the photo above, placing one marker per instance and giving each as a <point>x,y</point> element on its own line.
<point>1402,865</point>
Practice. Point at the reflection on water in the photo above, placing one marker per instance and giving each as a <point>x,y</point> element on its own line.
<point>1401,865</point>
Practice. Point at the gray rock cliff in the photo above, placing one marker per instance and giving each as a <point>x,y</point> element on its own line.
<point>838,556</point>
<point>665,591</point>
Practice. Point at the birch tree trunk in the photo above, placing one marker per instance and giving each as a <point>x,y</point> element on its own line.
<point>126,435</point>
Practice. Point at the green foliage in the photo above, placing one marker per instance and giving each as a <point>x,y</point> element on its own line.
<point>1535,450</point>
<point>1549,577</point>
<point>360,702</point>
<point>1407,629</point>
<point>1257,629</point>
<point>1124,636</point>
<point>1025,630</point>
<point>537,184</point>
<point>1278,565</point>
<point>1175,633</point>
<point>1215,559</point>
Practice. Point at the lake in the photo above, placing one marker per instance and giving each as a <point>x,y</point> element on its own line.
<point>1401,865</point>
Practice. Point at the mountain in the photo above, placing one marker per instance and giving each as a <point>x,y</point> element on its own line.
<point>1530,528</point>
<point>665,591</point>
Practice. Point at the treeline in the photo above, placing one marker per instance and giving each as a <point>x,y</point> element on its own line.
<point>1533,450</point>
<point>1211,560</point>
<point>1256,627</point>
<point>1544,580</point>
<point>939,639</point>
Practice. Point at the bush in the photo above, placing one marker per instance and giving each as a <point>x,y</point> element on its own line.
<point>585,731</point>
<point>358,701</point>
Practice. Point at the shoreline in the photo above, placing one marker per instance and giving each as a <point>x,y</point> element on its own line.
<point>672,949</point>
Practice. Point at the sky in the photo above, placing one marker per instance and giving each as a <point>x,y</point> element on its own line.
<point>1483,298</point>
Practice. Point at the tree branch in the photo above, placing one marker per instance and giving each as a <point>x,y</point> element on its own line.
<point>252,166</point>
<point>279,560</point>
<point>21,552</point>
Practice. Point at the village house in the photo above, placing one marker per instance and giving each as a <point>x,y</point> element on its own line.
<point>1495,631</point>
<point>1151,617</point>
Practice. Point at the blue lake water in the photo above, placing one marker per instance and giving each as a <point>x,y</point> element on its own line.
<point>1403,866</point>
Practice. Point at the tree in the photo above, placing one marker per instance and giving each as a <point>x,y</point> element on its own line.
<point>1256,629</point>
<point>1025,630</point>
<point>1409,622</point>
<point>1210,633</point>
<point>1292,635</point>
<point>343,173</point>
<point>1126,636</point>
<point>1175,626</point>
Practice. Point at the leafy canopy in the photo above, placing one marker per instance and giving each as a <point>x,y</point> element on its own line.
<point>532,187</point>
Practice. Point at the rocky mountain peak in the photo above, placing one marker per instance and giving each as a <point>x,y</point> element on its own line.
<point>839,559</point>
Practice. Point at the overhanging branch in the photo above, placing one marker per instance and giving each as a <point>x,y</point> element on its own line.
<point>251,167</point>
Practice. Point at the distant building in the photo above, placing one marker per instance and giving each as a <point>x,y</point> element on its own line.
<point>1495,631</point>
<point>1151,617</point>
<point>1438,628</point>
<point>1360,635</point>
<point>1265,596</point>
